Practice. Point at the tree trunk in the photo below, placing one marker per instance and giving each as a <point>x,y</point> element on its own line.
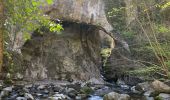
<point>1,33</point>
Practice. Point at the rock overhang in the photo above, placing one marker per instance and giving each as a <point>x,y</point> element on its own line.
<point>91,12</point>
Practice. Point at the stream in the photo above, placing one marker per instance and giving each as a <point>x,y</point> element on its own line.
<point>55,90</point>
<point>122,89</point>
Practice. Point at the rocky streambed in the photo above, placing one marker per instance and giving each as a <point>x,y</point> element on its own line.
<point>77,90</point>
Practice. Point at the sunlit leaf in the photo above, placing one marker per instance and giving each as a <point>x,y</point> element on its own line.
<point>49,1</point>
<point>165,5</point>
<point>26,36</point>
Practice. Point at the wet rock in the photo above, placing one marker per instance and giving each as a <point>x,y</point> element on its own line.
<point>4,94</point>
<point>9,89</point>
<point>46,91</point>
<point>29,96</point>
<point>13,97</point>
<point>164,96</point>
<point>167,82</point>
<point>39,94</point>
<point>57,88</point>
<point>59,97</point>
<point>71,92</point>
<point>75,85</point>
<point>41,87</point>
<point>133,89</point>
<point>160,87</point>
<point>1,87</point>
<point>95,81</point>
<point>19,76</point>
<point>86,90</point>
<point>120,82</point>
<point>81,96</point>
<point>125,87</point>
<point>26,90</point>
<point>149,98</point>
<point>116,96</point>
<point>21,93</point>
<point>103,91</point>
<point>28,86</point>
<point>21,98</point>
<point>147,95</point>
<point>143,87</point>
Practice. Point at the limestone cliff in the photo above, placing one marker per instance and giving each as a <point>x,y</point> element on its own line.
<point>81,11</point>
<point>75,53</point>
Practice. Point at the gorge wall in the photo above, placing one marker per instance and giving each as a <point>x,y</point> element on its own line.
<point>72,54</point>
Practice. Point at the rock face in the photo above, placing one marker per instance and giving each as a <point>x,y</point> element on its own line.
<point>82,11</point>
<point>72,55</point>
<point>118,64</point>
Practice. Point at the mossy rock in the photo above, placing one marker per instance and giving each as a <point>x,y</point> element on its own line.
<point>158,98</point>
<point>87,90</point>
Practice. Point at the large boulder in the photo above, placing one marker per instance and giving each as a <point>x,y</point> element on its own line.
<point>164,96</point>
<point>116,96</point>
<point>72,55</point>
<point>160,87</point>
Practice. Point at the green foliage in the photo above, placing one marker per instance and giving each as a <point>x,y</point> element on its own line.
<point>161,28</point>
<point>55,27</point>
<point>158,98</point>
<point>9,60</point>
<point>86,90</point>
<point>148,35</point>
<point>106,52</point>
<point>25,16</point>
<point>117,14</point>
<point>128,34</point>
<point>168,64</point>
<point>143,52</point>
<point>165,5</point>
<point>49,1</point>
<point>27,36</point>
<point>149,71</point>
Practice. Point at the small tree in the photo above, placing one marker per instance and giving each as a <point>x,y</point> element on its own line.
<point>1,32</point>
<point>25,16</point>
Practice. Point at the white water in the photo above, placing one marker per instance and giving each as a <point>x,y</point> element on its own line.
<point>95,98</point>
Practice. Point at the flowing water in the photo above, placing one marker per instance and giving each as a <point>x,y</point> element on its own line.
<point>122,89</point>
<point>95,98</point>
